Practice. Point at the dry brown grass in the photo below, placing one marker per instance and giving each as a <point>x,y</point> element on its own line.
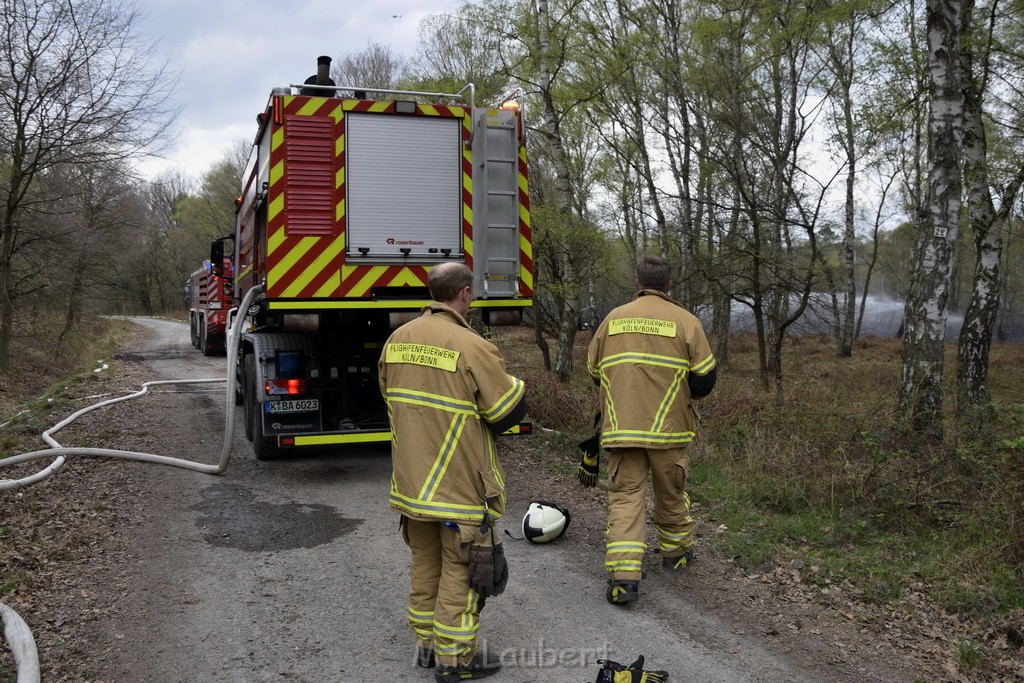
<point>833,457</point>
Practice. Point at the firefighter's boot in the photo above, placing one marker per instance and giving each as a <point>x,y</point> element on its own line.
<point>425,656</point>
<point>481,666</point>
<point>622,592</point>
<point>680,561</point>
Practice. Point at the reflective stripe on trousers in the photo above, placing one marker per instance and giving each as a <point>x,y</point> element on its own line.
<point>443,608</point>
<point>627,498</point>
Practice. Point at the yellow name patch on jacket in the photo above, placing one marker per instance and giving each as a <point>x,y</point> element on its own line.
<point>661,328</point>
<point>421,354</point>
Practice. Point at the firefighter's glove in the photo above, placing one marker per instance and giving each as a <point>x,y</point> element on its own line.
<point>591,450</point>
<point>588,469</point>
<point>488,570</point>
<point>613,672</point>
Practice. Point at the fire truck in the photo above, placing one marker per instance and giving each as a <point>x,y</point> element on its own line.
<point>209,293</point>
<point>350,196</point>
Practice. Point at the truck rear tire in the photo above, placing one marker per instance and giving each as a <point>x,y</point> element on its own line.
<point>264,447</point>
<point>248,370</point>
<point>192,331</point>
<point>204,341</point>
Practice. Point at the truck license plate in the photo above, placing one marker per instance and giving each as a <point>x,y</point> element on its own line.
<point>297,406</point>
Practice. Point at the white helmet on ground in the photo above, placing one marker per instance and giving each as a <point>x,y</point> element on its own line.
<point>544,522</point>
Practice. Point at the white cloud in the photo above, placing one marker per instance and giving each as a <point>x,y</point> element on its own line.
<point>230,54</point>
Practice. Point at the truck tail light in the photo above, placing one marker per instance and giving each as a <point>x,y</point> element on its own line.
<point>284,387</point>
<point>278,111</point>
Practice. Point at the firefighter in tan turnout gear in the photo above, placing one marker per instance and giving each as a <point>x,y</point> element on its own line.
<point>650,358</point>
<point>448,395</point>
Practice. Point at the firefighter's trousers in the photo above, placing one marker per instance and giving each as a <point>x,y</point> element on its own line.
<point>443,608</point>
<point>627,503</point>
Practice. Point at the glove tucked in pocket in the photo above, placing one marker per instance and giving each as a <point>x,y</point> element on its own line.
<point>588,469</point>
<point>488,569</point>
<point>591,450</point>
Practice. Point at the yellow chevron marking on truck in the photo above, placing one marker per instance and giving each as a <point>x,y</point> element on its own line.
<point>321,263</point>
<point>276,173</point>
<point>337,114</point>
<point>311,107</point>
<point>277,139</point>
<point>330,287</point>
<point>367,281</point>
<point>288,260</point>
<point>525,276</point>
<point>428,110</point>
<point>274,239</point>
<point>406,278</point>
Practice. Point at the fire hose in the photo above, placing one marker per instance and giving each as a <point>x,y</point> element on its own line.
<point>16,632</point>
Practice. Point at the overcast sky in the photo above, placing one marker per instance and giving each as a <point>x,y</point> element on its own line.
<point>230,53</point>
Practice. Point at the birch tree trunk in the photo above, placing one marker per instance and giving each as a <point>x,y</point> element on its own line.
<point>844,65</point>
<point>987,225</point>
<point>920,390</point>
<point>568,318</point>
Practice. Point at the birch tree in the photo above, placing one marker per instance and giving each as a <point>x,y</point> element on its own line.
<point>920,389</point>
<point>987,222</point>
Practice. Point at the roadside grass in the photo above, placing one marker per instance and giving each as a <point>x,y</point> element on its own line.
<point>39,382</point>
<point>36,381</point>
<point>829,483</point>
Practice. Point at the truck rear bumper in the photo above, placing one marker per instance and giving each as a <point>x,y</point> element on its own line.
<point>306,440</point>
<point>367,436</point>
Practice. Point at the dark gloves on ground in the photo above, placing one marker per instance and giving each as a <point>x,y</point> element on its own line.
<point>488,569</point>
<point>613,672</point>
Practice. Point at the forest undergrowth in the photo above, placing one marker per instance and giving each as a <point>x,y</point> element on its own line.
<point>830,481</point>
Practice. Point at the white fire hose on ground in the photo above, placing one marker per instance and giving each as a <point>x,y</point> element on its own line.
<point>23,646</point>
<point>16,631</point>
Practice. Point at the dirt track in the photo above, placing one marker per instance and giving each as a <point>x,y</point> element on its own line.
<point>294,570</point>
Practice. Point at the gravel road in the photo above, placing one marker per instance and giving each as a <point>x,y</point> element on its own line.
<point>294,570</point>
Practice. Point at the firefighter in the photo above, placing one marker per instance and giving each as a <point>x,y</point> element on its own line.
<point>448,395</point>
<point>650,358</point>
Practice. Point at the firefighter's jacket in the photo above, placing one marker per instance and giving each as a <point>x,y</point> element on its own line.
<point>444,384</point>
<point>641,354</point>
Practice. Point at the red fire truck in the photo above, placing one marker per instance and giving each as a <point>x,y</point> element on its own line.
<point>209,293</point>
<point>346,203</point>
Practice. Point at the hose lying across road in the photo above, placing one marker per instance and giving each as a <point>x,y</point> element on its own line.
<point>23,646</point>
<point>16,632</point>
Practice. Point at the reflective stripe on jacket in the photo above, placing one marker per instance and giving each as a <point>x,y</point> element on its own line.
<point>443,383</point>
<point>641,354</point>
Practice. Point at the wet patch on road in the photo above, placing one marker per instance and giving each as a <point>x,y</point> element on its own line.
<point>146,356</point>
<point>233,518</point>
